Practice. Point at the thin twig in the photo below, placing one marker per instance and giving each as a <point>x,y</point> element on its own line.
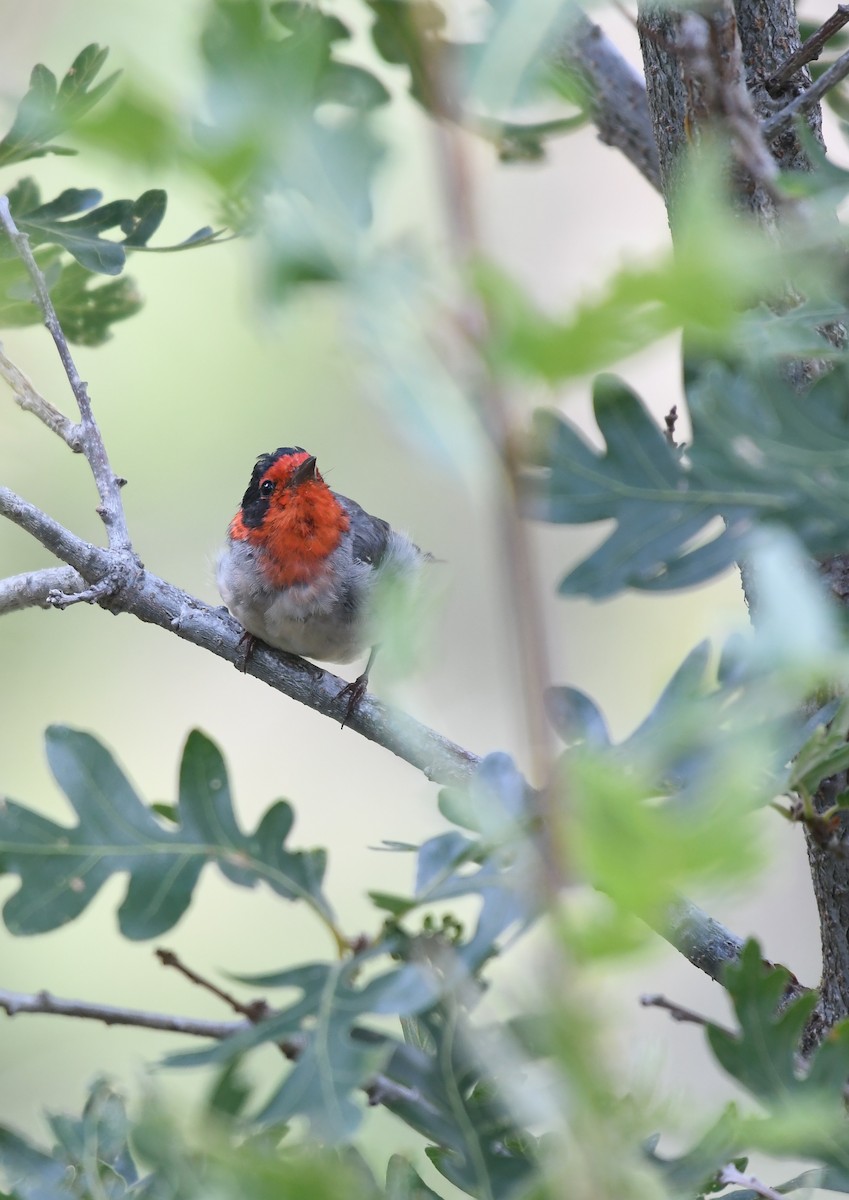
<point>809,51</point>
<point>731,1176</point>
<point>676,1011</point>
<point>800,104</point>
<point>45,1003</point>
<point>33,588</point>
<point>256,1011</point>
<point>670,421</point>
<point>111,509</point>
<point>30,400</point>
<point>379,1088</point>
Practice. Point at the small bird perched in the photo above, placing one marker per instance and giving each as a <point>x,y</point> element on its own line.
<point>302,566</point>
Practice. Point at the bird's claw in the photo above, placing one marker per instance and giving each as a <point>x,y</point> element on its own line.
<point>247,643</point>
<point>355,692</point>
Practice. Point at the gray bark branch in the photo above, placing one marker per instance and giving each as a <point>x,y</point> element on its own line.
<point>111,508</point>
<point>616,92</point>
<point>32,589</point>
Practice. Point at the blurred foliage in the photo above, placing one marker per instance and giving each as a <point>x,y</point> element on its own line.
<point>75,219</point>
<point>290,149</point>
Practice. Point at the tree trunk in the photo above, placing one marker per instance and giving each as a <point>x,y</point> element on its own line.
<point>694,60</point>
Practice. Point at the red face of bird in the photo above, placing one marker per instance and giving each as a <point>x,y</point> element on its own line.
<point>292,514</point>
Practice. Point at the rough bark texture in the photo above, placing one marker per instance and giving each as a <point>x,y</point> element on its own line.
<point>766,35</point>
<point>617,94</point>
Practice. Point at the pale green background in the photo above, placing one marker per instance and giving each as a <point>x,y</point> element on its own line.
<point>187,394</point>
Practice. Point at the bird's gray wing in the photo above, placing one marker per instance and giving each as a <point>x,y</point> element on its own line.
<point>369,535</point>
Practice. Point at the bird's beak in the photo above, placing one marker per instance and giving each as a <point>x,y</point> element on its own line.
<point>304,472</point>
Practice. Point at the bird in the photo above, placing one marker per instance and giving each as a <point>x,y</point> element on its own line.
<point>302,567</point>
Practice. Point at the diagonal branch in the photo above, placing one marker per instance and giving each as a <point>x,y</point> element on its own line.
<point>111,509</point>
<point>808,99</point>
<point>33,588</point>
<point>616,91</point>
<point>809,51</point>
<point>30,400</point>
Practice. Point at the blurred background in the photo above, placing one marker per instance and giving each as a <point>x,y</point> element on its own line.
<point>188,393</point>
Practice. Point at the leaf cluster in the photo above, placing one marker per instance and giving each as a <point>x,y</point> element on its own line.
<point>801,1107</point>
<point>69,229</point>
<point>331,1026</point>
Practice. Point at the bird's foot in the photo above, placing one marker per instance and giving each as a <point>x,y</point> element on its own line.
<point>247,644</point>
<point>355,692</point>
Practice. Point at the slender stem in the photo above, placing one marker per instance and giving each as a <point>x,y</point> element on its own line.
<point>30,400</point>
<point>45,1003</point>
<point>111,509</point>
<point>809,51</point>
<point>837,72</point>
<point>676,1011</point>
<point>379,1088</point>
<point>252,1012</point>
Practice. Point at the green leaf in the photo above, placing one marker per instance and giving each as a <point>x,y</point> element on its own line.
<point>693,1173</point>
<point>334,1057</point>
<point>403,1182</point>
<point>805,1114</point>
<point>758,456</point>
<point>762,1055</point>
<point>575,717</point>
<point>670,804</point>
<point>824,754</point>
<point>409,33</point>
<point>92,1150</point>
<point>47,110</point>
<point>87,306</point>
<point>61,869</point>
<point>500,865</point>
<point>75,219</point>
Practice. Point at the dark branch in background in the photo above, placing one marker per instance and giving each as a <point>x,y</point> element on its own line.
<point>676,1011</point>
<point>808,99</point>
<point>809,51</point>
<point>616,91</point>
<point>253,1012</point>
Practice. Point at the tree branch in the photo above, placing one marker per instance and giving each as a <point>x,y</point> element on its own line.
<point>44,1003</point>
<point>809,51</point>
<point>380,1089</point>
<point>33,588</point>
<point>676,1011</point>
<point>111,509</point>
<point>30,400</point>
<point>808,99</point>
<point>156,602</point>
<point>617,93</point>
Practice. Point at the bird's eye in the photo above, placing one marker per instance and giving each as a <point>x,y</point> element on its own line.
<point>266,488</point>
